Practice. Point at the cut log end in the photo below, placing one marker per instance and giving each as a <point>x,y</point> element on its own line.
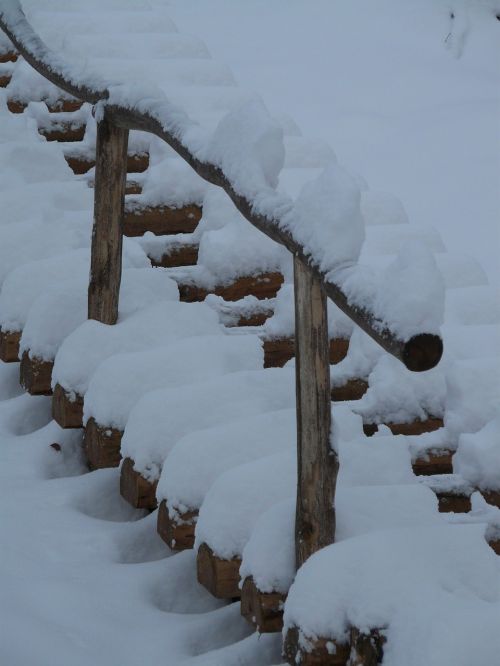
<point>178,535</point>
<point>322,652</point>
<point>36,375</point>
<point>422,352</point>
<point>102,445</point>
<point>263,610</point>
<point>220,577</point>
<point>9,346</point>
<point>66,412</point>
<point>135,489</point>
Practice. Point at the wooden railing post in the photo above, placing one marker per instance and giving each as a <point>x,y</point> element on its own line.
<point>107,232</point>
<point>317,462</point>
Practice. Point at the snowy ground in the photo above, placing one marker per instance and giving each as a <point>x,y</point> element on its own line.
<point>384,86</point>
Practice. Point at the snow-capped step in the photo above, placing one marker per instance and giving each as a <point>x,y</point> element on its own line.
<point>63,130</point>
<point>9,346</point>
<point>262,286</point>
<point>219,576</point>
<point>60,105</point>
<point>135,489</point>
<point>141,218</point>
<point>35,375</point>
<point>263,610</point>
<point>278,351</point>
<point>80,161</point>
<point>176,255</point>
<point>67,408</point>
<point>8,56</point>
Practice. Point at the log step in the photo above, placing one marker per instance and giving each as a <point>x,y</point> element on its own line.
<point>8,56</point>
<point>5,80</point>
<point>136,163</point>
<point>353,389</point>
<point>323,651</point>
<point>434,462</point>
<point>102,445</point>
<point>263,610</point>
<point>411,429</point>
<point>495,544</point>
<point>178,255</point>
<point>160,220</point>
<point>492,497</point>
<point>9,346</point>
<point>59,106</point>
<point>220,577</point>
<point>135,489</point>
<point>35,375</point>
<point>66,412</point>
<point>279,351</point>
<point>265,285</point>
<point>178,535</point>
<point>65,131</point>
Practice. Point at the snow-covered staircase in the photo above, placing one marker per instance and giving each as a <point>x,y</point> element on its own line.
<point>187,392</point>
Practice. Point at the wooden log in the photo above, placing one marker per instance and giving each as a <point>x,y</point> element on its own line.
<point>102,445</point>
<point>107,233</point>
<point>62,105</point>
<point>410,429</point>
<point>254,319</point>
<point>178,535</point>
<point>220,577</point>
<point>278,351</point>
<point>367,649</point>
<point>5,80</point>
<point>138,491</point>
<point>495,544</point>
<point>317,463</point>
<point>434,462</point>
<point>8,56</point>
<point>9,346</point>
<point>66,412</point>
<point>64,131</point>
<point>180,255</point>
<point>453,502</point>
<point>353,389</point>
<point>492,497</point>
<point>35,375</point>
<point>265,285</point>
<point>79,164</point>
<point>263,610</point>
<point>320,652</point>
<point>160,220</point>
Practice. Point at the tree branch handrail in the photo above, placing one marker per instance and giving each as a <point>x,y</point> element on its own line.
<point>418,353</point>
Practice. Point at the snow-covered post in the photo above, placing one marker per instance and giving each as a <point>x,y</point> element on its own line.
<point>317,463</point>
<point>107,233</point>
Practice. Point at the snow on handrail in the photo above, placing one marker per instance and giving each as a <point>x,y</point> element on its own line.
<point>154,114</point>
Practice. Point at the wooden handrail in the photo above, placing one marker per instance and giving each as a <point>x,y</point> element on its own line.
<point>420,352</point>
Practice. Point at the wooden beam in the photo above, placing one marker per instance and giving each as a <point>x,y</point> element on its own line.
<point>107,233</point>
<point>67,409</point>
<point>317,463</point>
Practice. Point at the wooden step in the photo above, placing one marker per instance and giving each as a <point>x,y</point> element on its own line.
<point>102,445</point>
<point>353,389</point>
<point>413,428</point>
<point>138,491</point>
<point>492,497</point>
<point>9,346</point>
<point>241,313</point>
<point>495,544</point>
<point>179,255</point>
<point>8,56</point>
<point>263,610</point>
<point>35,375</point>
<point>160,220</point>
<point>136,163</point>
<point>178,535</point>
<point>434,462</point>
<point>220,577</point>
<point>59,106</point>
<point>453,502</point>
<point>65,131</point>
<point>322,652</point>
<point>67,412</point>
<point>5,80</point>
<point>265,285</point>
<point>279,351</point>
